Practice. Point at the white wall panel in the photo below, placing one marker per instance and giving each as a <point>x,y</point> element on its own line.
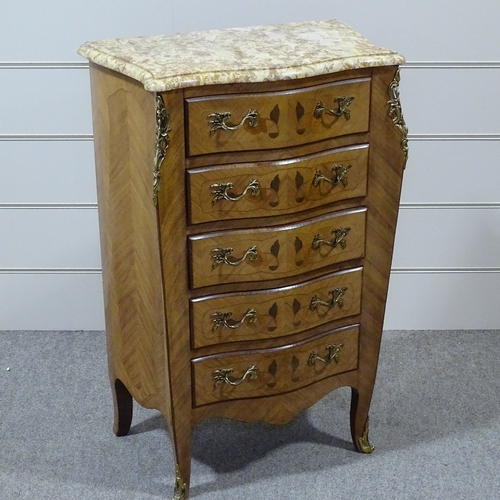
<point>448,238</point>
<point>53,30</point>
<point>55,100</point>
<point>51,302</point>
<point>49,238</point>
<point>451,301</point>
<point>45,101</point>
<point>422,30</point>
<point>451,101</point>
<point>452,172</point>
<point>47,172</point>
<point>416,301</point>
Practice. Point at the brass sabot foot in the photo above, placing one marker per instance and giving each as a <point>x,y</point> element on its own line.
<point>364,445</point>
<point>180,485</point>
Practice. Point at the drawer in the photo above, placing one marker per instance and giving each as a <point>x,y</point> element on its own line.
<point>266,372</point>
<point>273,313</point>
<point>279,187</point>
<point>268,120</point>
<point>276,252</point>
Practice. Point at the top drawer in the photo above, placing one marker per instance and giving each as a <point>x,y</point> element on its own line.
<point>268,120</point>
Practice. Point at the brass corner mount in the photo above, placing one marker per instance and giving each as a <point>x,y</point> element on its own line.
<point>396,113</point>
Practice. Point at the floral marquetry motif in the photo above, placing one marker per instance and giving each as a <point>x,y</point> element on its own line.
<point>275,184</point>
<point>295,366</point>
<point>275,252</point>
<point>273,367</point>
<point>273,313</point>
<point>299,113</point>
<point>275,117</point>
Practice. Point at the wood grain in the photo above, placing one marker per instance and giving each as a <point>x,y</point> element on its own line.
<point>279,370</point>
<point>282,251</point>
<point>278,85</point>
<point>285,118</point>
<point>123,119</point>
<point>279,312</point>
<point>172,222</point>
<point>161,286</point>
<point>275,409</point>
<point>285,186</point>
<point>385,172</point>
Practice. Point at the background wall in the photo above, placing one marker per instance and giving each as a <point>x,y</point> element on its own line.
<point>447,260</point>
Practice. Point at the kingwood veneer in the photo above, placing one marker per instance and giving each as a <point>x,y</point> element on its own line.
<point>248,200</point>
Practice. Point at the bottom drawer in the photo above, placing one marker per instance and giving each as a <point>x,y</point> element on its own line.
<point>266,372</point>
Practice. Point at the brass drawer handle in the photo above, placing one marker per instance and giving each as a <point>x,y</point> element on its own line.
<point>220,319</point>
<point>339,177</point>
<point>221,191</point>
<point>221,256</point>
<point>343,104</point>
<point>337,299</point>
<point>218,120</point>
<point>339,239</point>
<point>333,355</point>
<point>222,376</point>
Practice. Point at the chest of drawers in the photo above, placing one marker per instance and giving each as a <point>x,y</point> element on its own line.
<point>248,188</point>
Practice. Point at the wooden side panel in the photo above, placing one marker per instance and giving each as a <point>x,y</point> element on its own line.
<point>385,171</point>
<point>124,128</point>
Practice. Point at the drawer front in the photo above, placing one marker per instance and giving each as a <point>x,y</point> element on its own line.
<point>270,120</point>
<point>273,188</point>
<point>267,372</point>
<point>277,252</point>
<point>275,313</point>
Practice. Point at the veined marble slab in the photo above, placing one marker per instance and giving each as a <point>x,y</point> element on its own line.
<point>239,55</point>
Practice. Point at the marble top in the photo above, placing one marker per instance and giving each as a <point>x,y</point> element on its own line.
<point>239,55</point>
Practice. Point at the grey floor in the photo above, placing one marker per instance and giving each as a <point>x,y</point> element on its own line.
<point>435,423</point>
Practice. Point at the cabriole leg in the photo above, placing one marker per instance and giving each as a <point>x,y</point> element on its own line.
<point>360,406</point>
<point>122,400</point>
